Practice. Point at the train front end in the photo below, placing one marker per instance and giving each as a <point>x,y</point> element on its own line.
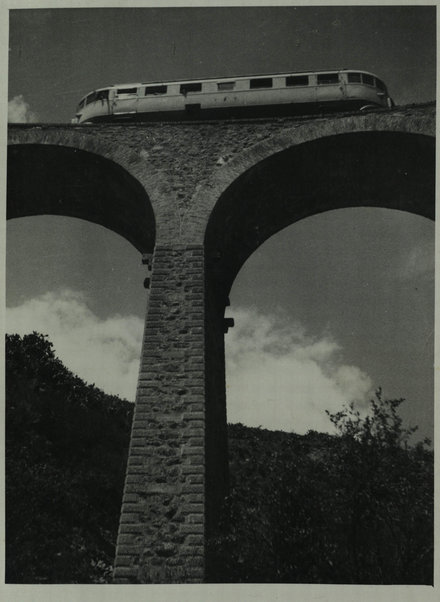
<point>367,89</point>
<point>96,106</point>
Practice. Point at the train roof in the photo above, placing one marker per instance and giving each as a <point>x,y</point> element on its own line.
<point>229,77</point>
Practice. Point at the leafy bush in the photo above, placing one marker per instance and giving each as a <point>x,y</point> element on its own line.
<point>66,449</point>
<point>352,508</point>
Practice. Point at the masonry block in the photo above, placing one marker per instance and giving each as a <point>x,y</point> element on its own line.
<point>157,488</point>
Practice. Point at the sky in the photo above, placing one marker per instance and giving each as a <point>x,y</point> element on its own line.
<point>325,311</point>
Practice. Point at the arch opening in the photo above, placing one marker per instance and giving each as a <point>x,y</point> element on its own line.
<point>345,298</point>
<point>70,280</point>
<point>81,284</point>
<point>391,170</point>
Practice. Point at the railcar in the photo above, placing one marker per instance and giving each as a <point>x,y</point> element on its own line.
<point>233,97</point>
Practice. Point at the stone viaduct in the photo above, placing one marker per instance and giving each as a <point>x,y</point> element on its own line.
<point>196,199</point>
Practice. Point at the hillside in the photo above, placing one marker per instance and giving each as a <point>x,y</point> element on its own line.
<point>324,509</point>
<point>66,450</point>
<point>351,508</point>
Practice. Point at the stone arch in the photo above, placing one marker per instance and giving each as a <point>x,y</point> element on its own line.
<point>390,169</point>
<point>58,179</point>
<point>226,173</point>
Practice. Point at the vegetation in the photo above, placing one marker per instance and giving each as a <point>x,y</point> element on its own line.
<point>352,508</point>
<point>66,448</point>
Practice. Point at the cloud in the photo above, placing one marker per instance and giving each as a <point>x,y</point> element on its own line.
<point>19,111</point>
<point>281,378</point>
<point>419,261</point>
<point>103,352</point>
<point>277,376</point>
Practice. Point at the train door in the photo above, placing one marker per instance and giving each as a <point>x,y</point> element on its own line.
<point>191,92</point>
<point>125,101</point>
<point>342,85</point>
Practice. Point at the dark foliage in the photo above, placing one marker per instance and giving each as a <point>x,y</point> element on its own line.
<point>352,508</point>
<point>66,447</point>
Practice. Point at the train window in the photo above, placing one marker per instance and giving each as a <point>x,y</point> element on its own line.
<point>261,82</point>
<point>126,91</point>
<point>81,104</point>
<point>195,87</point>
<point>380,84</point>
<point>368,79</point>
<point>102,95</point>
<point>354,78</point>
<point>297,80</point>
<point>155,90</point>
<point>222,86</point>
<point>328,78</point>
<point>90,98</point>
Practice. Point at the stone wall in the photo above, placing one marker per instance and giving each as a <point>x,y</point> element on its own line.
<point>161,535</point>
<point>185,167</point>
